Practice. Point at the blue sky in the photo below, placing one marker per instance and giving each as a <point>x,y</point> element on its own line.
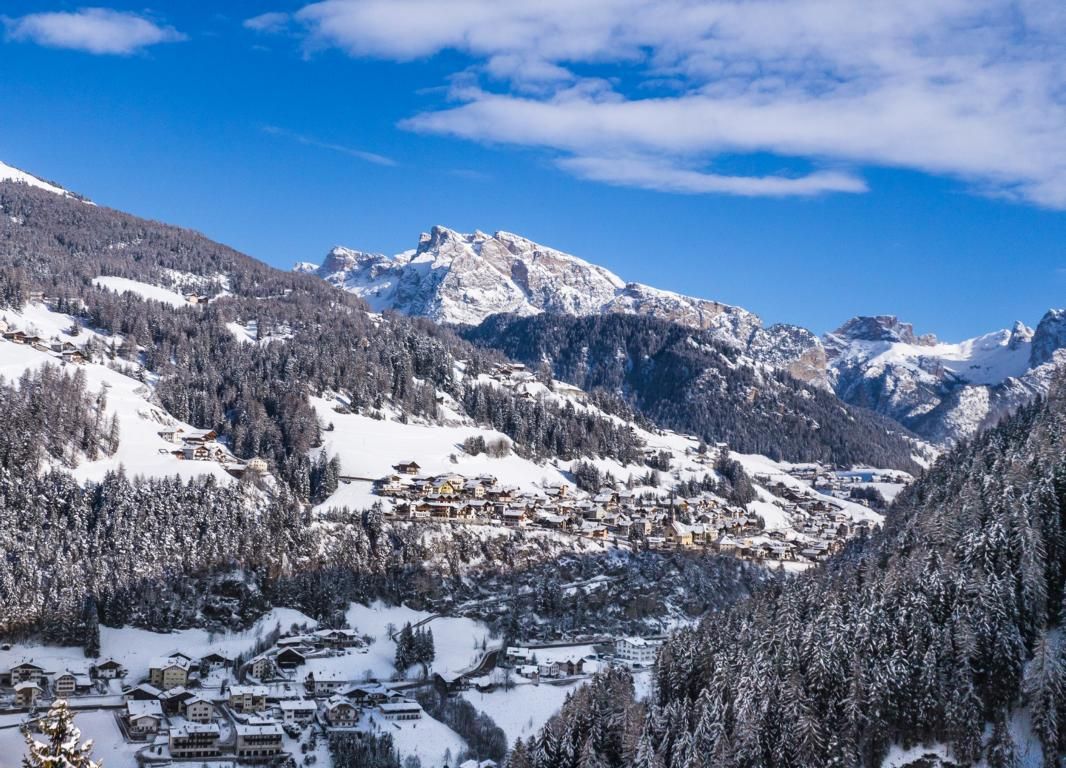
<point>913,163</point>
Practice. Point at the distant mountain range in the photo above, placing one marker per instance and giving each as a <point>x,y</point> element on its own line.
<point>942,391</point>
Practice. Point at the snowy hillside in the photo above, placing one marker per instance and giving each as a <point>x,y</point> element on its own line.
<point>141,448</point>
<point>9,173</point>
<point>944,391</point>
<point>465,278</point>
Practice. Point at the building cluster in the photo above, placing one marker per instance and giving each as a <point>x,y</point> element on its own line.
<point>657,522</point>
<point>820,526</point>
<point>24,683</point>
<point>65,351</point>
<point>203,445</point>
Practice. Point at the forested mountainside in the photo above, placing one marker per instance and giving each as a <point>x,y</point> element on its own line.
<point>687,380</point>
<point>943,632</point>
<point>169,552</point>
<point>256,395</point>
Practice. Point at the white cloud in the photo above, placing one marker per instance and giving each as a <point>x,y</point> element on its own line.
<point>971,89</point>
<point>94,30</point>
<point>268,22</point>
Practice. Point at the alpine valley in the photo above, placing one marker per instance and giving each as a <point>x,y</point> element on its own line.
<point>486,504</point>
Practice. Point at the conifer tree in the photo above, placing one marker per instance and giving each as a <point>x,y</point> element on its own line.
<point>62,746</point>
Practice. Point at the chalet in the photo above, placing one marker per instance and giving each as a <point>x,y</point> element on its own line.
<point>515,518</point>
<point>407,468</point>
<point>142,692</point>
<point>27,693</point>
<point>196,453</point>
<point>257,465</point>
<point>323,683</point>
<point>298,710</point>
<point>478,764</point>
<point>63,685</point>
<point>367,694</point>
<point>199,710</point>
<point>26,672</point>
<point>593,530</point>
<point>401,710</point>
<point>261,667</point>
<point>571,666</point>
<point>214,660</point>
<point>143,717</point>
<point>444,488</point>
<point>530,671</point>
<point>727,545</point>
<point>450,685</point>
<point>248,698</point>
<point>641,526</point>
<point>16,337</point>
<point>517,655</point>
<point>392,485</point>
<point>258,740</point>
<point>170,671</point>
<point>548,669</point>
<point>338,638</point>
<point>474,488</point>
<point>341,712</point>
<point>201,438</point>
<point>173,699</point>
<point>289,658</point>
<point>192,741</point>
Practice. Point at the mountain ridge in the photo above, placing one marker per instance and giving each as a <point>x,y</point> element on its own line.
<point>941,390</point>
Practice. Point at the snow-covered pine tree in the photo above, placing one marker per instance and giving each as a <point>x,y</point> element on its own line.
<point>61,746</point>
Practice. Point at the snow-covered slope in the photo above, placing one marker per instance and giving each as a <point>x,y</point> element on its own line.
<point>9,173</point>
<point>465,278</point>
<point>141,449</point>
<point>943,391</point>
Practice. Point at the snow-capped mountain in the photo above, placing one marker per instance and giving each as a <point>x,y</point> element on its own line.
<point>465,278</point>
<point>943,391</point>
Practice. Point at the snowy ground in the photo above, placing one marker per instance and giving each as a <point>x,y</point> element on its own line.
<point>431,741</point>
<point>98,725</point>
<point>522,710</point>
<point>144,290</point>
<point>457,641</point>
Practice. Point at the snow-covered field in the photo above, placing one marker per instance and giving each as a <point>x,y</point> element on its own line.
<point>457,641</point>
<point>144,290</point>
<point>522,710</point>
<point>369,447</point>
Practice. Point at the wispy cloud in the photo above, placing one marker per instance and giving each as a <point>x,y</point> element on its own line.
<point>268,22</point>
<point>309,141</point>
<point>970,89</point>
<point>93,30</point>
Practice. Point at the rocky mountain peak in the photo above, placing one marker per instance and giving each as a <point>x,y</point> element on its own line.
<point>882,328</point>
<point>463,279</point>
<point>1050,335</point>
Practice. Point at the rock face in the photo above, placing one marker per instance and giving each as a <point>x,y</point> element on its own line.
<point>465,278</point>
<point>942,391</point>
<point>1050,336</point>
